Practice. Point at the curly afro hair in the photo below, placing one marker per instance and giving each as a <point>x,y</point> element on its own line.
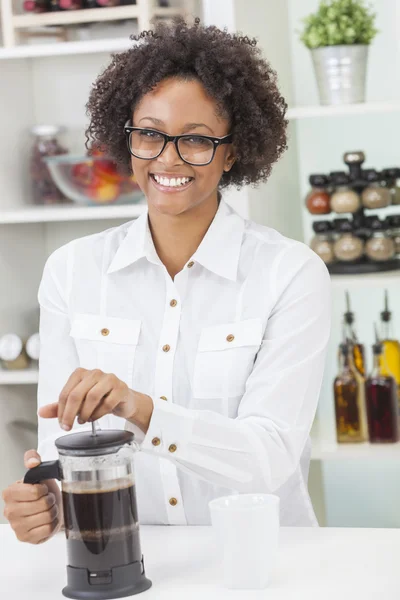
<point>232,71</point>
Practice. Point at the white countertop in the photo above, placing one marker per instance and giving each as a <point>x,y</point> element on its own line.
<point>323,564</point>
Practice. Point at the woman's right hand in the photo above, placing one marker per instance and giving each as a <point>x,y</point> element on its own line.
<point>33,511</point>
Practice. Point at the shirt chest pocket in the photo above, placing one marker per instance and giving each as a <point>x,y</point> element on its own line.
<point>225,358</point>
<point>106,343</point>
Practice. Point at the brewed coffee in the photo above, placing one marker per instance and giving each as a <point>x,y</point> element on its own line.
<point>101,524</point>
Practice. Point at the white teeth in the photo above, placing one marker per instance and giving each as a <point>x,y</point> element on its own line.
<point>173,182</point>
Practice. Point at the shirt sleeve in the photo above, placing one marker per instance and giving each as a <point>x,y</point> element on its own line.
<point>58,356</point>
<point>261,448</point>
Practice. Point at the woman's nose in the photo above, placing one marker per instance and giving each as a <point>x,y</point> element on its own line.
<point>170,156</point>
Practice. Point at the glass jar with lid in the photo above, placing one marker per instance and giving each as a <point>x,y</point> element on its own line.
<point>348,247</point>
<point>380,246</point>
<point>375,195</point>
<point>318,198</point>
<point>46,143</point>
<point>344,199</point>
<point>392,182</point>
<point>393,225</point>
<point>322,243</point>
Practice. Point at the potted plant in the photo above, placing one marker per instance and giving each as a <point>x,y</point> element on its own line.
<point>338,35</point>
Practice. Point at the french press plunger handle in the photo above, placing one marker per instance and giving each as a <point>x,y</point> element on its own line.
<point>46,470</point>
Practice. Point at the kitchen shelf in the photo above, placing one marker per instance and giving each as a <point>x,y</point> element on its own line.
<point>49,214</point>
<point>66,48</point>
<point>325,451</point>
<point>308,112</point>
<point>22,377</point>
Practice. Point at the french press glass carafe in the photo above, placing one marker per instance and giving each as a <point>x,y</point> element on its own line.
<point>100,513</point>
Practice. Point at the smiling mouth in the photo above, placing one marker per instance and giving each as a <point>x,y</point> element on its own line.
<point>171,183</point>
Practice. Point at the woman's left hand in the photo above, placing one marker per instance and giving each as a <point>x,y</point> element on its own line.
<point>90,395</point>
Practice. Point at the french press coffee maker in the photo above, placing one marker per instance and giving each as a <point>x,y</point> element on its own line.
<point>100,513</point>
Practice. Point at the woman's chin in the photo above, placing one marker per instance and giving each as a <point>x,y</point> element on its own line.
<point>169,204</point>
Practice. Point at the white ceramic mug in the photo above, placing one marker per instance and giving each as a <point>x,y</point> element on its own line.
<point>247,532</point>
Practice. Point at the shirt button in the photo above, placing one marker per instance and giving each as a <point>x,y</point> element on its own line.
<point>166,348</point>
<point>105,331</point>
<point>156,441</point>
<point>163,398</point>
<point>172,448</point>
<point>173,303</point>
<point>190,264</point>
<point>230,338</point>
<point>173,501</point>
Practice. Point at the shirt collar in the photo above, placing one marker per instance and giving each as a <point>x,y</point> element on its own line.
<point>218,252</point>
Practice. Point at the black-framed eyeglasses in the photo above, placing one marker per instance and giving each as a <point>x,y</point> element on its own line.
<point>196,150</point>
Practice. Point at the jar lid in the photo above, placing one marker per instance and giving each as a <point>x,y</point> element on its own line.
<point>46,130</point>
<point>356,157</point>
<point>318,180</point>
<point>343,225</point>
<point>390,173</point>
<point>322,226</point>
<point>375,224</point>
<point>87,444</point>
<point>340,178</point>
<point>370,175</point>
<point>393,220</point>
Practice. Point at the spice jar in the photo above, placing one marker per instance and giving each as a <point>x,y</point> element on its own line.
<point>344,199</point>
<point>374,195</point>
<point>318,199</point>
<point>348,247</point>
<point>393,224</point>
<point>380,246</point>
<point>322,243</point>
<point>392,180</point>
<point>45,144</point>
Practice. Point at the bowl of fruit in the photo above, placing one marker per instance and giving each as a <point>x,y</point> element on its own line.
<point>93,179</point>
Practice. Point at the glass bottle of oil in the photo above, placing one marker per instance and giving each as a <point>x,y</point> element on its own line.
<point>357,348</point>
<point>349,394</point>
<point>390,357</point>
<point>381,399</point>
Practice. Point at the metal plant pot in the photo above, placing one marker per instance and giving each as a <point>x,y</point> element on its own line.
<point>341,73</point>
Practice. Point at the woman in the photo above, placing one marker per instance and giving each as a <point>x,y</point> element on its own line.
<point>200,331</point>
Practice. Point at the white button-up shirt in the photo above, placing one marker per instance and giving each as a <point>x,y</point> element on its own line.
<point>231,351</point>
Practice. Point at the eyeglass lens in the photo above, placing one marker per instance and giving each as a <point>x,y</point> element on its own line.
<point>193,149</point>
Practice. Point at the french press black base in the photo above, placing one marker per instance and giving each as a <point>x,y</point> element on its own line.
<point>115,583</point>
<point>100,513</point>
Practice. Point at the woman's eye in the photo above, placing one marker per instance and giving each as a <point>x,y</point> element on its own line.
<point>198,141</point>
<point>150,135</point>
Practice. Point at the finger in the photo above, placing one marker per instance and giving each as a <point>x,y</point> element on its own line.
<point>73,380</point>
<point>25,492</point>
<point>96,397</point>
<point>77,397</point>
<point>31,459</point>
<point>22,510</point>
<point>49,411</point>
<point>38,535</point>
<point>108,404</point>
<point>43,518</point>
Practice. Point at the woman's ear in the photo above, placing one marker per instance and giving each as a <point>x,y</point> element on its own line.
<point>230,159</point>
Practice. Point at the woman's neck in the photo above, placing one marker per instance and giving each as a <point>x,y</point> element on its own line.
<point>177,237</point>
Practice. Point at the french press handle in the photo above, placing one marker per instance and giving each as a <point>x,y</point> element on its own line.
<point>46,470</point>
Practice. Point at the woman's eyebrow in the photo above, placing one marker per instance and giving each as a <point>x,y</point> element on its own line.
<point>186,127</point>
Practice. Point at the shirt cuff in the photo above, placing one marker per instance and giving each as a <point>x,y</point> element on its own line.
<point>170,429</point>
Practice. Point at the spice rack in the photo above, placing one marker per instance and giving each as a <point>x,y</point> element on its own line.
<point>361,223</point>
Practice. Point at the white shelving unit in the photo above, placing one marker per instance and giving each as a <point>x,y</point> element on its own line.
<point>23,377</point>
<point>53,214</point>
<point>144,11</point>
